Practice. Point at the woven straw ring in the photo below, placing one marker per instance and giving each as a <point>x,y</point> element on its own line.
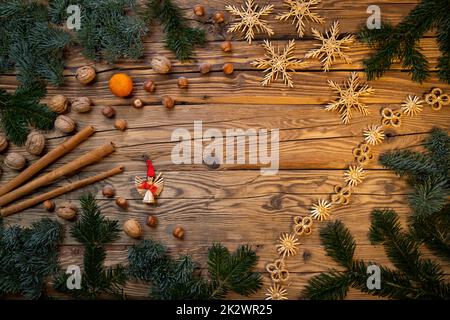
<point>278,272</point>
<point>362,154</point>
<point>437,99</point>
<point>303,226</point>
<point>341,195</point>
<point>391,117</point>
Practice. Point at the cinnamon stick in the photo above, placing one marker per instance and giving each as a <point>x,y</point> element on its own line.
<point>48,159</point>
<point>69,168</point>
<point>59,191</point>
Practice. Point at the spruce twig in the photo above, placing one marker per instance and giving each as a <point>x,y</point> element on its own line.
<point>178,279</point>
<point>94,231</point>
<point>180,38</point>
<point>28,256</point>
<point>21,110</point>
<point>110,29</point>
<point>401,43</point>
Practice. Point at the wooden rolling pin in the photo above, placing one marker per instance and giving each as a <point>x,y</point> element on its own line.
<point>57,192</point>
<point>48,159</point>
<point>69,168</point>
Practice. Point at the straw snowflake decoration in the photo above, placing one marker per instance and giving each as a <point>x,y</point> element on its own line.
<point>331,47</point>
<point>288,245</point>
<point>349,98</point>
<point>276,292</point>
<point>354,175</point>
<point>249,20</point>
<point>277,63</point>
<point>374,134</point>
<point>321,211</point>
<point>412,105</point>
<point>300,11</point>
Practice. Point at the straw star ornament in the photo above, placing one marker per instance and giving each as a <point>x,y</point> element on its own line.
<point>301,11</point>
<point>349,97</point>
<point>331,47</point>
<point>249,20</point>
<point>277,63</point>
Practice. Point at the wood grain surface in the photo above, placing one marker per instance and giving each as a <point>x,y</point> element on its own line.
<point>230,203</point>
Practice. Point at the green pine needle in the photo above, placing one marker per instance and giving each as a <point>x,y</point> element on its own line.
<point>330,285</point>
<point>30,43</point>
<point>109,29</point>
<point>180,38</point>
<point>28,256</point>
<point>339,243</point>
<point>21,110</point>
<point>179,279</point>
<point>94,231</point>
<point>401,43</point>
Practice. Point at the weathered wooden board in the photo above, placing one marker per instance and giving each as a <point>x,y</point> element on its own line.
<point>235,204</point>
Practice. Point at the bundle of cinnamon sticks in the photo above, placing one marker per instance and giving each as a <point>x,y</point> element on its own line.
<point>16,188</point>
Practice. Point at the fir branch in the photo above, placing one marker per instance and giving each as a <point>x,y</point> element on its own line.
<point>180,38</point>
<point>331,285</point>
<point>110,29</point>
<point>339,243</point>
<point>30,43</point>
<point>94,231</point>
<point>21,110</point>
<point>178,279</point>
<point>28,256</point>
<point>401,43</point>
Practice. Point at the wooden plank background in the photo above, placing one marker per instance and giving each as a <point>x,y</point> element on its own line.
<point>234,204</point>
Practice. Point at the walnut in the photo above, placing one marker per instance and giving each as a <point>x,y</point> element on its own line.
<point>67,211</point>
<point>3,143</point>
<point>65,124</point>
<point>82,104</point>
<point>15,161</point>
<point>58,103</point>
<point>85,74</point>
<point>35,143</point>
<point>132,228</point>
<point>161,64</point>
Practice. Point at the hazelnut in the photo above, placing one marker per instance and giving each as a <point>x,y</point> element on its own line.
<point>199,11</point>
<point>226,46</point>
<point>58,103</point>
<point>152,221</point>
<point>3,143</point>
<point>219,17</point>
<point>108,112</point>
<point>183,83</point>
<point>161,64</point>
<point>228,68</point>
<point>49,205</point>
<point>35,143</point>
<point>178,232</point>
<point>168,102</point>
<point>67,211</point>
<point>205,68</point>
<point>15,161</point>
<point>120,124</point>
<point>149,86</point>
<point>122,202</point>
<point>137,103</point>
<point>132,228</point>
<point>81,104</point>
<point>85,74</point>
<point>108,191</point>
<point>65,124</point>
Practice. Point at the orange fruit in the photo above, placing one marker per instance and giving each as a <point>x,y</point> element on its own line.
<point>121,85</point>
